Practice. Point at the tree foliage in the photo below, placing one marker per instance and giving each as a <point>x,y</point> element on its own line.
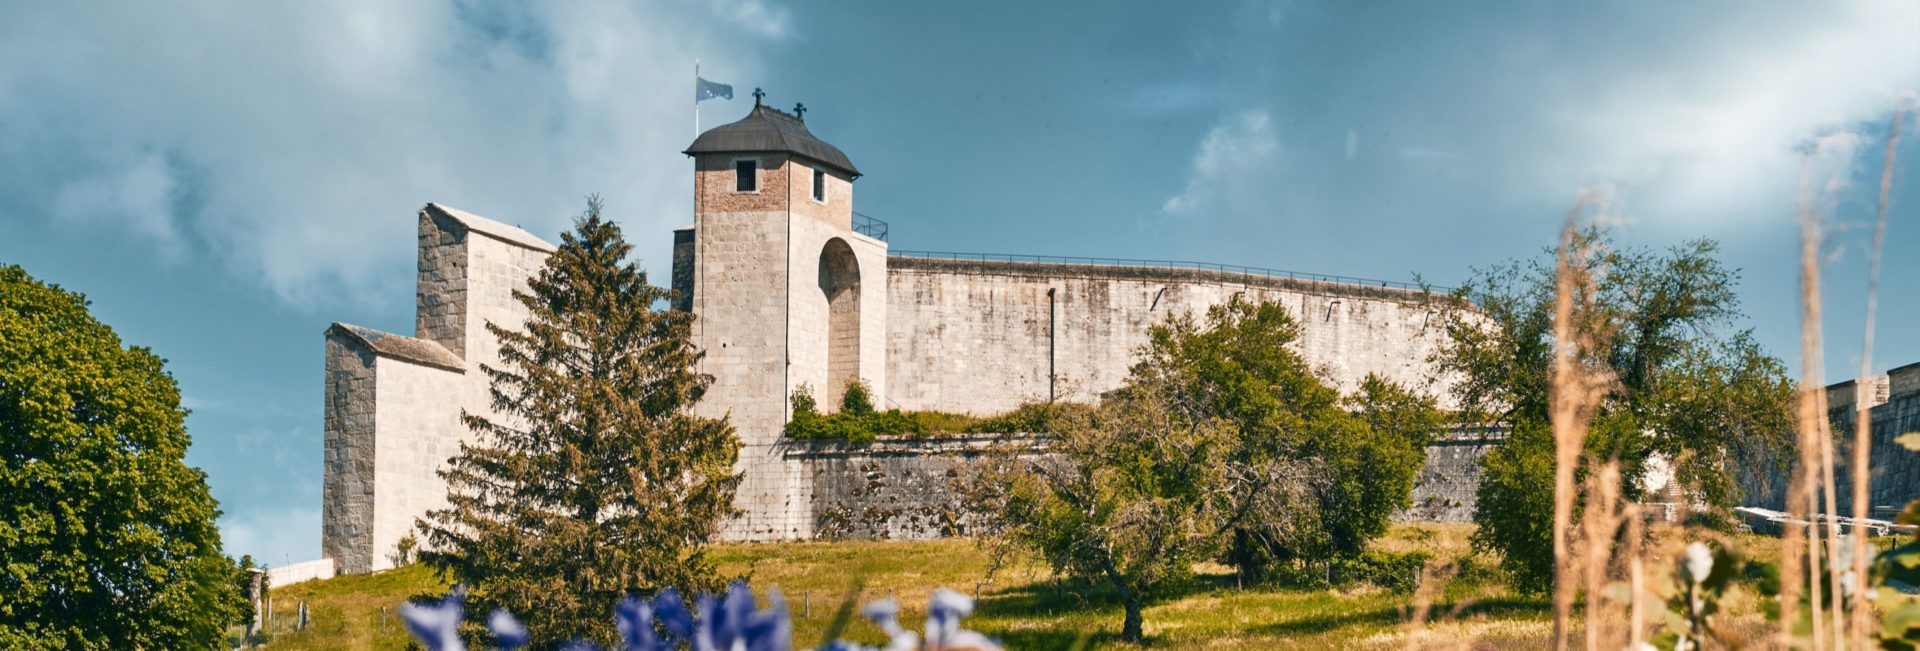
<point>1222,440</point>
<point>107,537</point>
<point>1311,475</point>
<point>594,478</point>
<point>1689,389</point>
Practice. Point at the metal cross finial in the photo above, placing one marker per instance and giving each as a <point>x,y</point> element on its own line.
<point>800,110</point>
<point>757,95</point>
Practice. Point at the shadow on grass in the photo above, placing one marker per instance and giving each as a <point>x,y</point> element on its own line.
<point>1498,607</point>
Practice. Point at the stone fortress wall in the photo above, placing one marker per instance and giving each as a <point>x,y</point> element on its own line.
<point>984,336</point>
<point>1893,402</point>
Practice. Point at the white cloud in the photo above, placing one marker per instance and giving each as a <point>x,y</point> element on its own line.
<point>1232,165</point>
<point>274,538</point>
<point>1697,114</point>
<point>293,142</point>
<point>1719,135</point>
<point>755,16</point>
<point>139,190</point>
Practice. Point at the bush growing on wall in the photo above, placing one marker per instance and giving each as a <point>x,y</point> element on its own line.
<point>858,422</point>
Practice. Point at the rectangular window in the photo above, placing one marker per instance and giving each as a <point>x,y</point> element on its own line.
<point>819,185</point>
<point>744,177</point>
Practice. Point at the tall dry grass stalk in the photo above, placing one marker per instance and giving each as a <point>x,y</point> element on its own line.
<point>1600,527</point>
<point>1800,541</point>
<point>1861,609</point>
<point>1636,577</point>
<point>1575,393</point>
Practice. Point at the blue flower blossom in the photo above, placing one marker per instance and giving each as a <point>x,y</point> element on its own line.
<point>508,632</point>
<point>671,611</point>
<point>633,618</point>
<point>437,626</point>
<point>728,622</point>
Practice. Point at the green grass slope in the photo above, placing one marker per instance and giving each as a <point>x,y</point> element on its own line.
<point>1021,603</point>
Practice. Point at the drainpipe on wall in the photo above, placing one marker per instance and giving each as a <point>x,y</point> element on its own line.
<point>1050,346</point>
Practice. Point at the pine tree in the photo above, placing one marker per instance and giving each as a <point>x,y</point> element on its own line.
<point>595,479</point>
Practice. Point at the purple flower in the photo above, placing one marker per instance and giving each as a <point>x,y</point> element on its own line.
<point>770,629</point>
<point>731,622</point>
<point>886,613</point>
<point>508,632</point>
<point>633,618</point>
<point>671,611</point>
<point>437,626</point>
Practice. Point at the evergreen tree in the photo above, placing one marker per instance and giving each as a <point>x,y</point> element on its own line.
<point>107,536</point>
<point>595,479</point>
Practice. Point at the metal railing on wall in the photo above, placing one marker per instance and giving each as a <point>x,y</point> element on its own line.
<point>870,227</point>
<point>1224,269</point>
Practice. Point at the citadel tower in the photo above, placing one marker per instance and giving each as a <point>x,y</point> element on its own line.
<point>787,294</point>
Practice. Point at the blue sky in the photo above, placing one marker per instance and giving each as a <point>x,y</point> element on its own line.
<point>225,179</point>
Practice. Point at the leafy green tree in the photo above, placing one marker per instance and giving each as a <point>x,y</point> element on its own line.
<point>1122,497</point>
<point>1689,388</point>
<point>1311,475</point>
<point>1222,440</point>
<point>595,479</point>
<point>107,537</point>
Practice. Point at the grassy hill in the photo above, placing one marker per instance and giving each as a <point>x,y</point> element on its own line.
<point>1021,603</point>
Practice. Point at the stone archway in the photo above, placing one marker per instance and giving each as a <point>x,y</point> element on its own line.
<point>840,283</point>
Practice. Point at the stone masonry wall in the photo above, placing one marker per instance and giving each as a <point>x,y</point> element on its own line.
<point>417,430</point>
<point>1895,469</point>
<point>974,336</point>
<point>1448,487</point>
<point>348,483</point>
<point>440,291</point>
<point>910,489</point>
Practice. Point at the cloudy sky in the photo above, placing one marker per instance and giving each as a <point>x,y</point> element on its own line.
<point>225,179</point>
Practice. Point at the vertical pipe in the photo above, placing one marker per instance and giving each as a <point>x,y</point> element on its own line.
<point>1050,345</point>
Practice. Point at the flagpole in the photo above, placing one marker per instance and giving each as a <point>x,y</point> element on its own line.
<point>696,98</point>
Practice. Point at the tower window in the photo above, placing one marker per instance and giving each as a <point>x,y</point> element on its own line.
<point>819,185</point>
<point>744,177</point>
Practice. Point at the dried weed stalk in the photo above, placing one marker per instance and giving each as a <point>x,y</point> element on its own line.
<point>1860,608</point>
<point>1579,383</point>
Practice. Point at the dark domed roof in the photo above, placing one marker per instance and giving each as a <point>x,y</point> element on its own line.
<point>770,130</point>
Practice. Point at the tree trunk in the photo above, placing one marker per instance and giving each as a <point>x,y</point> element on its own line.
<point>1130,631</point>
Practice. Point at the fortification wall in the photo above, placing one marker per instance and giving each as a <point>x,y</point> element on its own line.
<point>1895,469</point>
<point>346,531</point>
<point>911,489</point>
<point>984,336</point>
<point>1448,487</point>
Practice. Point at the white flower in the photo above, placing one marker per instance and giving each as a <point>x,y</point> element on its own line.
<point>1699,561</point>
